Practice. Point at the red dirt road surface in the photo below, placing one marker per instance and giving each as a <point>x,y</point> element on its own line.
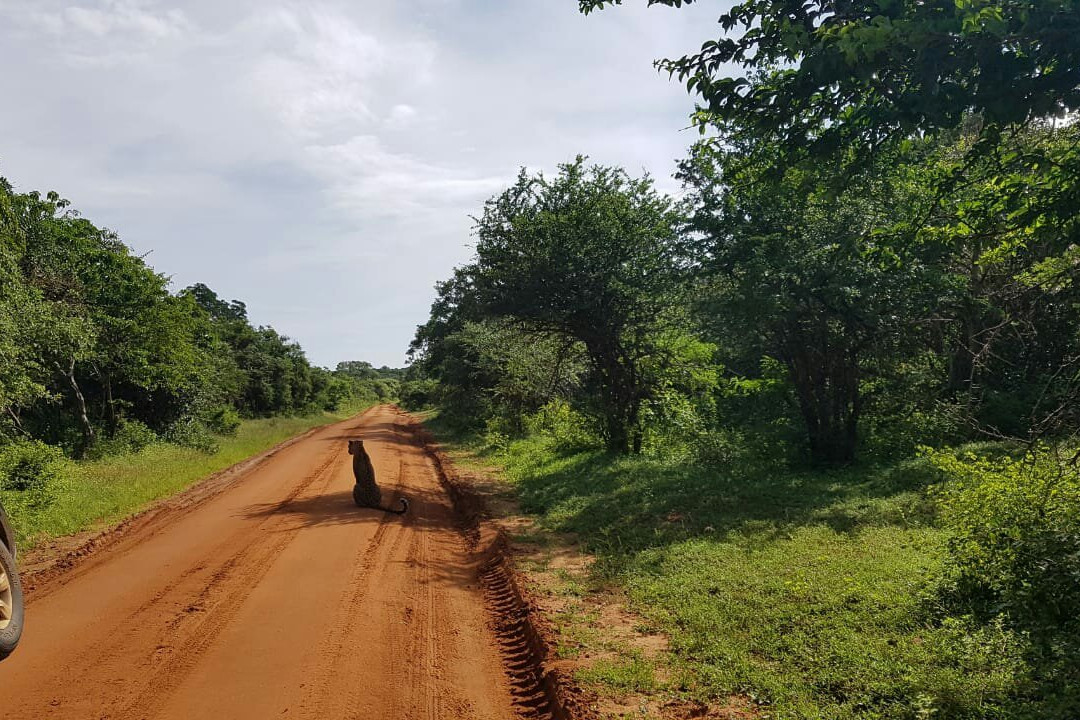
<point>273,596</point>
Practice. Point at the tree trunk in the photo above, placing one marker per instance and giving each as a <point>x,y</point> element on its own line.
<point>110,405</point>
<point>962,355</point>
<point>80,401</point>
<point>620,399</point>
<point>826,383</point>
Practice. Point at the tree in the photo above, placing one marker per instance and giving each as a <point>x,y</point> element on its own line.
<point>816,280</point>
<point>826,73</point>
<point>593,255</point>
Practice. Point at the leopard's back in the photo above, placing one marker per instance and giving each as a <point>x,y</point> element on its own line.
<point>366,491</point>
<point>365,495</point>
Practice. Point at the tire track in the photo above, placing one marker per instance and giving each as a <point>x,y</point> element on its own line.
<point>201,605</point>
<point>318,695</point>
<point>539,693</point>
<point>219,604</point>
<point>188,584</point>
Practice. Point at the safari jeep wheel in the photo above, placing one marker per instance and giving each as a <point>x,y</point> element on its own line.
<point>11,604</point>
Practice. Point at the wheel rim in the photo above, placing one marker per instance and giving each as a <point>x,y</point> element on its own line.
<point>7,600</point>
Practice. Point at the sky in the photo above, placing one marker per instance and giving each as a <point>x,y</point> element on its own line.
<point>320,160</point>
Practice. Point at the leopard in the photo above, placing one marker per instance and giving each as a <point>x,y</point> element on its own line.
<point>366,492</point>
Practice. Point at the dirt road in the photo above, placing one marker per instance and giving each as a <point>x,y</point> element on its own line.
<point>274,598</point>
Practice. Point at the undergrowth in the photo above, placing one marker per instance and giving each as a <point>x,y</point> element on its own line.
<point>815,594</point>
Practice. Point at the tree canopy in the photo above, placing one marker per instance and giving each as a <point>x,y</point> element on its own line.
<point>830,73</point>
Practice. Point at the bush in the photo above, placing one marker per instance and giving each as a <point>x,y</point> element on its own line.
<point>130,436</point>
<point>189,432</point>
<point>497,434</point>
<point>567,427</point>
<point>1015,548</point>
<point>673,424</point>
<point>32,474</point>
<point>224,421</point>
<point>419,394</point>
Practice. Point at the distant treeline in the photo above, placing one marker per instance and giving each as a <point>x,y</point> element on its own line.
<point>97,355</point>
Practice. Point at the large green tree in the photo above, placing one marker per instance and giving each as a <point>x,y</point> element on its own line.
<point>593,255</point>
<point>821,281</point>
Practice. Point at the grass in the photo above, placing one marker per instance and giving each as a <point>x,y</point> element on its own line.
<point>811,593</point>
<point>102,492</point>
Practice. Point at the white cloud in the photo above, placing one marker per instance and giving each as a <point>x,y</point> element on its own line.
<point>334,148</point>
<point>107,34</point>
<point>323,73</point>
<point>371,181</point>
<point>134,17</point>
<point>401,114</point>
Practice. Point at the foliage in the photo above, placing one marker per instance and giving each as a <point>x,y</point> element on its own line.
<point>814,278</point>
<point>591,258</point>
<point>822,74</point>
<point>32,475</point>
<point>419,394</point>
<point>1014,554</point>
<point>567,428</point>
<point>130,436</point>
<point>224,421</point>
<point>189,432</point>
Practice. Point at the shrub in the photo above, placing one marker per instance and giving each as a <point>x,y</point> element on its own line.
<point>1015,547</point>
<point>567,427</point>
<point>419,394</point>
<point>32,474</point>
<point>190,432</point>
<point>497,434</point>
<point>898,434</point>
<point>673,425</point>
<point>224,420</point>
<point>719,448</point>
<point>130,436</point>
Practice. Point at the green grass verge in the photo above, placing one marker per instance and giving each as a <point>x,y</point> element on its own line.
<point>102,492</point>
<point>811,593</point>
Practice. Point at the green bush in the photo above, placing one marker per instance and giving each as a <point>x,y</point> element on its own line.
<point>32,475</point>
<point>130,436</point>
<point>497,434</point>
<point>224,421</point>
<point>190,432</point>
<point>673,425</point>
<point>419,394</point>
<point>1014,553</point>
<point>567,427</point>
<point>718,448</point>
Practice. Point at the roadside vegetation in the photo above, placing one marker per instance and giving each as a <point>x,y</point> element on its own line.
<point>92,494</point>
<point>818,416</point>
<point>115,391</point>
<point>791,591</point>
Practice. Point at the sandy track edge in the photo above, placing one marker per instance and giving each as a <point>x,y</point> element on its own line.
<point>524,633</point>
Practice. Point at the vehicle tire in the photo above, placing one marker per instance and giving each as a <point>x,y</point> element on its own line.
<point>11,604</point>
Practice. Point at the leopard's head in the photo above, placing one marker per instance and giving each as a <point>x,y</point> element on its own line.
<point>356,447</point>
